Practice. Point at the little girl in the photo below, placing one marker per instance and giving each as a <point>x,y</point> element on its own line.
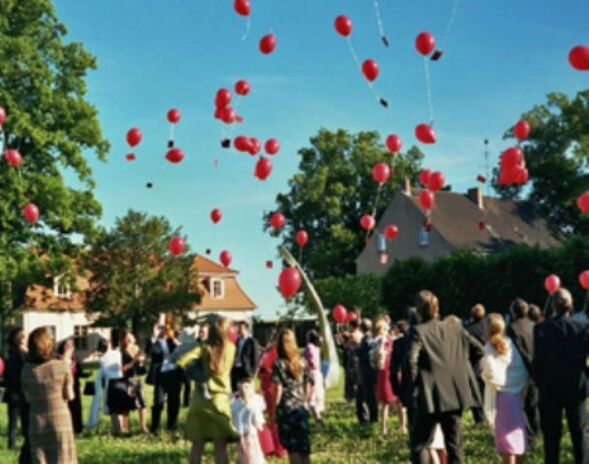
<point>248,418</point>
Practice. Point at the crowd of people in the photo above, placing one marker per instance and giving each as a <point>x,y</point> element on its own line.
<point>515,371</point>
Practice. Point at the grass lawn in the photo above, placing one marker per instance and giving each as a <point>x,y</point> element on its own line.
<point>340,440</point>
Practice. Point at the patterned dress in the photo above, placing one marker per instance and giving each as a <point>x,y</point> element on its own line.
<point>317,399</point>
<point>51,433</point>
<point>291,415</point>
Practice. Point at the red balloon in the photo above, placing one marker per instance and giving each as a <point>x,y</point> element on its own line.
<point>242,87</point>
<point>173,115</point>
<point>482,225</point>
<point>370,69</point>
<point>521,129</point>
<point>238,118</point>
<point>552,283</point>
<point>367,222</point>
<point>272,146</point>
<point>31,212</point>
<point>339,313</point>
<point>424,176</point>
<point>583,202</point>
<point>255,146</point>
<point>277,220</point>
<point>242,7</point>
<point>223,98</point>
<point>343,25</point>
<point>426,199</point>
<point>242,143</point>
<point>130,157</point>
<point>584,279</point>
<point>263,168</point>
<point>13,157</point>
<point>217,113</point>
<point>504,178</point>
<point>425,133</point>
<point>268,44</point>
<point>225,258</point>
<point>511,157</point>
<point>394,143</point>
<point>579,57</point>
<point>2,115</point>
<point>175,155</point>
<point>302,237</point>
<point>134,136</point>
<point>232,333</point>
<point>351,316</point>
<point>425,43</point>
<point>289,281</point>
<point>391,232</point>
<point>176,245</point>
<point>227,115</point>
<point>216,215</point>
<point>269,264</point>
<point>381,172</point>
<point>436,181</point>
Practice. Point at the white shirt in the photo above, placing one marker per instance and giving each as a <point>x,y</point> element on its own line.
<point>506,373</point>
<point>166,364</point>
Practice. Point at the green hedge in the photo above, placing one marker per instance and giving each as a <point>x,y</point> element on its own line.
<point>462,279</point>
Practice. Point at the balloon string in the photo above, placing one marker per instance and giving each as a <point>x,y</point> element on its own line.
<point>586,304</point>
<point>248,26</point>
<point>374,207</point>
<point>357,61</point>
<point>451,21</point>
<point>428,89</point>
<point>379,23</point>
<point>171,133</point>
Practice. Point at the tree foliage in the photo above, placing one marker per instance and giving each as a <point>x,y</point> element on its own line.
<point>132,276</point>
<point>557,158</point>
<point>42,88</point>
<point>332,189</point>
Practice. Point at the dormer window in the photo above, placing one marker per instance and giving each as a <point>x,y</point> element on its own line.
<point>423,237</point>
<point>61,289</point>
<point>217,289</point>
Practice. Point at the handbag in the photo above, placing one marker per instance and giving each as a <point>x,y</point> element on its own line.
<point>90,388</point>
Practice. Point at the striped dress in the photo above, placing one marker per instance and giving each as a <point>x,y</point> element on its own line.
<point>51,434</point>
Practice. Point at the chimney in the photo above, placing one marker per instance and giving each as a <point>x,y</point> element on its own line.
<point>476,195</point>
<point>406,187</point>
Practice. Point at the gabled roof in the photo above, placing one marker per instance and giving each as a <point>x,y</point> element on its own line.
<point>235,297</point>
<point>206,266</point>
<point>456,217</point>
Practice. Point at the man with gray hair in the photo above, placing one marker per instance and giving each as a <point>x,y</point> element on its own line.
<point>559,367</point>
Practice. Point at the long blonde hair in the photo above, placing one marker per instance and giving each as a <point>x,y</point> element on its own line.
<point>381,327</point>
<point>496,331</point>
<point>289,351</point>
<point>218,344</point>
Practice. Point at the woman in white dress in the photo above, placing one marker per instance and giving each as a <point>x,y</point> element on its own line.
<point>109,367</point>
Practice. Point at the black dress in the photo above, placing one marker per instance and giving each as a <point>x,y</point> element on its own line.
<point>291,415</point>
<point>75,405</point>
<point>132,376</point>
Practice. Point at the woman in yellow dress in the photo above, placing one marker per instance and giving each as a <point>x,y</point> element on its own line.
<point>209,414</point>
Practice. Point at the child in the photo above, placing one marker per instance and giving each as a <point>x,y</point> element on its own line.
<point>248,418</point>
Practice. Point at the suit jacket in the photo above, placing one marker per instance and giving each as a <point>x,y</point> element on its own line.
<point>249,356</point>
<point>441,357</point>
<point>399,374</point>
<point>521,332</point>
<point>478,330</point>
<point>14,364</point>
<point>559,366</point>
<point>154,349</point>
<point>366,374</point>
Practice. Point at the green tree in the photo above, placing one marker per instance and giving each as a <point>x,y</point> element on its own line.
<point>42,88</point>
<point>557,158</point>
<point>332,190</point>
<point>132,276</point>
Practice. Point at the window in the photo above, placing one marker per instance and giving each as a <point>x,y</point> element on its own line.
<point>81,337</point>
<point>61,289</point>
<point>218,289</point>
<point>423,237</point>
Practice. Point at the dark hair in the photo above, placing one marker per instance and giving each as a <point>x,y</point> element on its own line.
<point>366,325</point>
<point>534,312</point>
<point>402,325</point>
<point>12,338</point>
<point>478,312</point>
<point>518,309</point>
<point>102,345</point>
<point>61,346</point>
<point>412,316</point>
<point>40,345</point>
<point>353,324</point>
<point>562,301</point>
<point>244,324</point>
<point>427,305</point>
<point>122,337</point>
<point>314,337</point>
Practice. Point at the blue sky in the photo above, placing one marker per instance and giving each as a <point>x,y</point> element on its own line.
<point>500,58</point>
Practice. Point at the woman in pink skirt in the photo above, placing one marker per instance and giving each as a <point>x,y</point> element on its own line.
<point>381,353</point>
<point>313,357</point>
<point>505,376</point>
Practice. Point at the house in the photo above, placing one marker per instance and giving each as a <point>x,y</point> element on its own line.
<point>457,221</point>
<point>62,309</point>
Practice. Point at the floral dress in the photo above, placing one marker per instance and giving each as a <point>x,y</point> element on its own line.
<point>291,415</point>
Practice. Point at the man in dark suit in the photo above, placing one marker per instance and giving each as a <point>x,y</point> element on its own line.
<point>521,332</point>
<point>440,363</point>
<point>559,368</point>
<point>477,328</point>
<point>164,377</point>
<point>246,357</point>
<point>366,406</point>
